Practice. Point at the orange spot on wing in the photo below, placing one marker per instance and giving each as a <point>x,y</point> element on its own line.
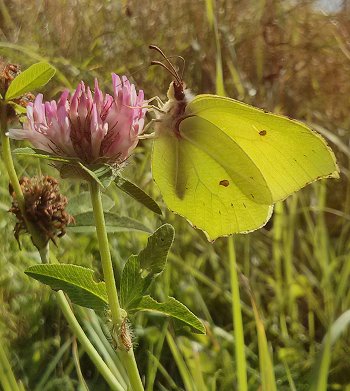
<point>224,183</point>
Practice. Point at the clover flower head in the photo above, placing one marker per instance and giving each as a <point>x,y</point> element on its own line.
<point>88,125</point>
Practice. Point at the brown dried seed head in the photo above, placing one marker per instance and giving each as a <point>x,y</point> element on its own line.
<point>44,207</point>
<point>25,99</point>
<point>7,73</point>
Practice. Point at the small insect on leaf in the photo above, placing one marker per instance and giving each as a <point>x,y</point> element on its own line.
<point>262,132</point>
<point>125,335</point>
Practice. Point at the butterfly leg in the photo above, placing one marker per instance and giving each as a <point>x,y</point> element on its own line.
<point>158,101</point>
<point>148,126</point>
<point>147,136</point>
<point>154,108</point>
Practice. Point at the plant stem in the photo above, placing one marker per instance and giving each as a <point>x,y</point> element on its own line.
<point>322,251</point>
<point>97,337</point>
<point>106,260</point>
<point>3,380</point>
<point>87,345</point>
<point>79,333</point>
<point>7,378</point>
<point>127,357</point>
<point>7,157</point>
<point>292,309</point>
<point>241,363</point>
<point>181,365</point>
<point>8,161</point>
<point>277,252</point>
<point>8,22</point>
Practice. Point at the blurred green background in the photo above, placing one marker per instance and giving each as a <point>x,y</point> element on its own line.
<point>289,56</point>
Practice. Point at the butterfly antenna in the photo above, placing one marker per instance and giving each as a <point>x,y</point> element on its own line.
<point>174,71</point>
<point>137,70</point>
<point>183,64</point>
<point>129,75</point>
<point>175,76</point>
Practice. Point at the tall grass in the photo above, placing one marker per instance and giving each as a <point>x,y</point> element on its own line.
<point>285,56</point>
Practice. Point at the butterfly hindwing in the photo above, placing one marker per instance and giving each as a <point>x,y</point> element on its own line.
<point>202,189</point>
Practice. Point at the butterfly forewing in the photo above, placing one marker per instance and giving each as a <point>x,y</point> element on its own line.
<point>287,153</point>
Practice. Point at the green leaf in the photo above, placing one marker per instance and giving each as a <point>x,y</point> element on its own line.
<point>32,78</point>
<point>78,282</point>
<point>103,174</point>
<point>140,270</point>
<point>133,285</point>
<point>84,222</point>
<point>153,257</point>
<point>175,309</point>
<point>81,203</point>
<point>20,110</point>
<point>137,194</point>
<point>27,151</point>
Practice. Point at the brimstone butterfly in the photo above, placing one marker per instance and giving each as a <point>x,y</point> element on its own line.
<point>222,164</point>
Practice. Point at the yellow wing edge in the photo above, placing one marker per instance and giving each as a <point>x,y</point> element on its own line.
<point>212,239</point>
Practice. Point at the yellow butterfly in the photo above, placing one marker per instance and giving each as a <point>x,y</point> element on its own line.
<point>222,164</point>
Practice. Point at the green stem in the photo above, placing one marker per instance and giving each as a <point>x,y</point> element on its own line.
<point>7,157</point>
<point>322,250</point>
<point>4,382</point>
<point>107,266</point>
<point>154,358</point>
<point>127,356</point>
<point>86,344</point>
<point>7,378</point>
<point>241,363</point>
<point>79,333</point>
<point>105,349</point>
<point>181,365</point>
<point>288,258</point>
<point>277,258</point>
<point>277,250</point>
<point>8,161</point>
<point>9,23</point>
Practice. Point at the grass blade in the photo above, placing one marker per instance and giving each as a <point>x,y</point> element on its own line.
<point>321,369</point>
<point>241,363</point>
<point>267,373</point>
<point>181,365</point>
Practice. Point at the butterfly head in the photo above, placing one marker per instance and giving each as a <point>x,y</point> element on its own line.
<point>174,110</point>
<point>177,90</point>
